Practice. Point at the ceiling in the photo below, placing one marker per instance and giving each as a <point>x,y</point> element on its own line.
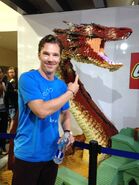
<point>49,6</point>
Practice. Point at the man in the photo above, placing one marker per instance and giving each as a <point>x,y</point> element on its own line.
<point>11,94</point>
<point>3,113</point>
<point>42,98</point>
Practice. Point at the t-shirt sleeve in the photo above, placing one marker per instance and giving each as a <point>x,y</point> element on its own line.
<point>28,88</point>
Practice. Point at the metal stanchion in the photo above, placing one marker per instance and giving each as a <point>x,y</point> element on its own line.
<point>94,149</point>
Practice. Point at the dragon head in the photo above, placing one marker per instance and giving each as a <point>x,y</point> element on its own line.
<point>85,43</point>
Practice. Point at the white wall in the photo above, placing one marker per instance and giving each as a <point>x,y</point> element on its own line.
<point>110,90</point>
<point>8,18</point>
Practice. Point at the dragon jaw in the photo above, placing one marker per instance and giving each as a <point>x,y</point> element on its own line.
<point>85,43</point>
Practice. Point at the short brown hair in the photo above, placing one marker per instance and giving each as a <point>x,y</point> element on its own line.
<point>49,39</point>
<point>11,67</point>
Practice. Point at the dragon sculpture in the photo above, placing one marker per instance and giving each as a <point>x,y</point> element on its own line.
<point>79,43</point>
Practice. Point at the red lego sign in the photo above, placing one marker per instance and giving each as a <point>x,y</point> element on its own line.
<point>134,71</point>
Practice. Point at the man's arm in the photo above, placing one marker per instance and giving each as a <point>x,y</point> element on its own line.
<point>66,125</point>
<point>65,120</point>
<point>43,108</point>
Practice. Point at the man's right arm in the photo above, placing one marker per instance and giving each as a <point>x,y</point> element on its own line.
<point>42,108</point>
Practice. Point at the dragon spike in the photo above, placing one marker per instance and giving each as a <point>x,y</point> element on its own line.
<point>100,31</point>
<point>68,23</point>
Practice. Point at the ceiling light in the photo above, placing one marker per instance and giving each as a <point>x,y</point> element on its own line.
<point>124,46</point>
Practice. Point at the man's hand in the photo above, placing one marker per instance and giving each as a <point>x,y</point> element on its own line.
<point>71,140</point>
<point>74,86</point>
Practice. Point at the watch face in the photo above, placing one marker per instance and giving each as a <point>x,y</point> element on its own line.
<point>66,134</point>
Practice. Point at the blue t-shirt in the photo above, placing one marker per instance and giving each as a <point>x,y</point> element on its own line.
<point>36,138</point>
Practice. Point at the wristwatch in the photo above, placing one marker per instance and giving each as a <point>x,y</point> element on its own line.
<point>68,131</point>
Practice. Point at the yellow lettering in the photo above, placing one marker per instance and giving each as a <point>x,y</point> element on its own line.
<point>135,72</point>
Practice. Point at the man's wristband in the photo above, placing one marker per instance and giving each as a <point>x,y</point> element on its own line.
<point>71,91</point>
<point>68,131</point>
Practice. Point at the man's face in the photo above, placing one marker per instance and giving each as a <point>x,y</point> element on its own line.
<point>11,73</point>
<point>49,57</point>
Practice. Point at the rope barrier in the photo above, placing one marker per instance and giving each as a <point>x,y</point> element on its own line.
<point>120,153</point>
<point>7,136</point>
<point>110,151</point>
<point>82,145</point>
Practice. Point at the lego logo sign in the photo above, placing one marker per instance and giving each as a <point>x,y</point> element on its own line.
<point>134,71</point>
